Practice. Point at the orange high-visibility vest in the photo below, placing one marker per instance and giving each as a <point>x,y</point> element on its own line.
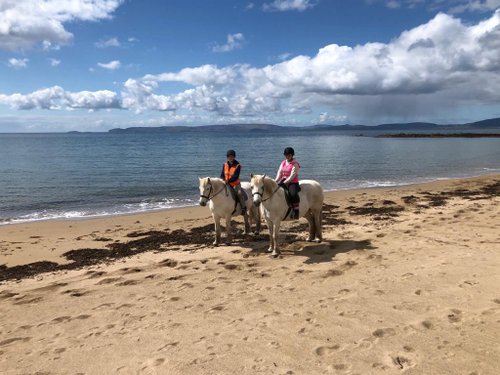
<point>229,172</point>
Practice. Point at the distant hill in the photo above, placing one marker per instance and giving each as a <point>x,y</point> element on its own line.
<point>229,128</point>
<point>255,128</point>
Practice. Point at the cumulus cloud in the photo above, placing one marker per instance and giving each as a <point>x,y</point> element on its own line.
<point>24,23</point>
<point>105,43</point>
<point>233,42</point>
<point>476,6</point>
<point>455,6</point>
<point>437,65</point>
<point>287,5</point>
<point>56,98</point>
<point>431,60</point>
<point>112,65</point>
<point>18,63</point>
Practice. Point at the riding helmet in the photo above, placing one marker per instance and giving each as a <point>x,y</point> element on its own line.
<point>289,150</point>
<point>231,152</point>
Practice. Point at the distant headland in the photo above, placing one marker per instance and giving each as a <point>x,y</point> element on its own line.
<point>484,125</point>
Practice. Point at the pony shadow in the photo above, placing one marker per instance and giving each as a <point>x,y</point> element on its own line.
<point>328,250</point>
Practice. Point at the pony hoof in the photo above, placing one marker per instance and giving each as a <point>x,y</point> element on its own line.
<point>270,250</point>
<point>309,239</point>
<point>317,240</point>
<point>228,243</point>
<point>215,243</point>
<point>275,255</point>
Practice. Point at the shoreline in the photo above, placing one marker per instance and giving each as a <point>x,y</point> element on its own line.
<point>423,180</point>
<point>50,240</point>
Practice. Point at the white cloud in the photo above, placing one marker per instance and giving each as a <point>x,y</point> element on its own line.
<point>105,43</point>
<point>439,65</point>
<point>56,98</point>
<point>451,6</point>
<point>284,56</point>
<point>54,62</point>
<point>286,5</point>
<point>18,63</point>
<point>233,42</point>
<point>476,6</point>
<point>24,23</point>
<point>112,65</point>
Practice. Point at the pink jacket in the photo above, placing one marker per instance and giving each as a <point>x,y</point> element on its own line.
<point>288,172</point>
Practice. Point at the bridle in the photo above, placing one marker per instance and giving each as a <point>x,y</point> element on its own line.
<point>207,197</point>
<point>262,194</point>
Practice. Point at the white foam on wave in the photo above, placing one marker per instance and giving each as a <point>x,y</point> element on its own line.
<point>127,208</point>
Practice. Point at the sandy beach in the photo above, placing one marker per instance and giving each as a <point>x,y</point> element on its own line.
<point>406,281</point>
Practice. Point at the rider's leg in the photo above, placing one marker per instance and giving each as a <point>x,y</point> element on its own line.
<point>241,198</point>
<point>294,199</point>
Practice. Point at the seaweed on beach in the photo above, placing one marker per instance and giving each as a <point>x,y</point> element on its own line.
<point>148,241</point>
<point>331,215</point>
<point>441,198</point>
<point>381,212</point>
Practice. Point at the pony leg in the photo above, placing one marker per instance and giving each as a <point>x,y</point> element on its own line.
<point>247,223</point>
<point>312,227</point>
<point>217,229</point>
<point>276,236</point>
<point>256,216</point>
<point>318,217</point>
<point>229,235</point>
<point>271,235</point>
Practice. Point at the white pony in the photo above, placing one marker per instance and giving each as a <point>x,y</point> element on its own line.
<point>275,207</point>
<point>223,205</point>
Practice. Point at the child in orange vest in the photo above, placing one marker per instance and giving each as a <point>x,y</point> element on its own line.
<point>231,175</point>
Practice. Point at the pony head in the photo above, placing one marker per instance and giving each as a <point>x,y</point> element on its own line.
<point>205,190</point>
<point>257,185</point>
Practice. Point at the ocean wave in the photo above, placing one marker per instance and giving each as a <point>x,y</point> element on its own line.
<point>127,208</point>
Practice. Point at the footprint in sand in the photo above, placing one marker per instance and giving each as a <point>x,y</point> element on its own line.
<point>14,339</point>
<point>455,316</point>
<point>322,351</point>
<point>402,362</point>
<point>109,280</point>
<point>384,332</point>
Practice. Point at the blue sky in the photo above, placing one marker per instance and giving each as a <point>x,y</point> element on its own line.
<point>94,65</point>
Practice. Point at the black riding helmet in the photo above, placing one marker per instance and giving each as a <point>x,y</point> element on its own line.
<point>289,150</point>
<point>231,152</point>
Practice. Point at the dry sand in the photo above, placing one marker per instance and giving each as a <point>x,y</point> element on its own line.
<point>406,281</point>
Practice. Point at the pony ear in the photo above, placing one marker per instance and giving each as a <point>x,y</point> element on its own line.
<point>251,175</point>
<point>263,176</point>
<point>208,179</point>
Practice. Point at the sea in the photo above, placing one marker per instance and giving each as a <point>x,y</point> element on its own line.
<point>80,175</point>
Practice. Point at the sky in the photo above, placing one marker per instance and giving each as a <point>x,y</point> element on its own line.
<point>94,65</point>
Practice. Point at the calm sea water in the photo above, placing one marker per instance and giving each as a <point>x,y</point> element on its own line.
<point>46,176</point>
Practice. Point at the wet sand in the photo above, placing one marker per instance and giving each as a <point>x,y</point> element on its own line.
<point>406,280</point>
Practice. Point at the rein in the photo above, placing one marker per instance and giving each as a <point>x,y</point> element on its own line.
<point>207,197</point>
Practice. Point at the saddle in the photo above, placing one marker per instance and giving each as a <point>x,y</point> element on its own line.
<point>287,198</point>
<point>287,194</point>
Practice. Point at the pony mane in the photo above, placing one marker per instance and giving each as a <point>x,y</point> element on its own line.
<point>269,183</point>
<point>204,180</point>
